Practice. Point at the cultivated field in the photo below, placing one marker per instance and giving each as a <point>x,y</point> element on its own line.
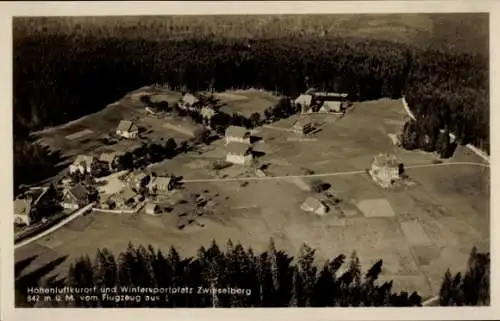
<point>418,232</point>
<point>246,102</point>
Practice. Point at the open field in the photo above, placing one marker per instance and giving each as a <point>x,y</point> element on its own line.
<point>95,133</point>
<point>246,102</point>
<point>427,228</point>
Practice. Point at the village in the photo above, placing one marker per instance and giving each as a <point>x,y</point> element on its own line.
<point>168,167</point>
<point>116,185</point>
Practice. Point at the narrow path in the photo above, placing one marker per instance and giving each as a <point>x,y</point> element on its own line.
<point>207,180</point>
<point>55,227</point>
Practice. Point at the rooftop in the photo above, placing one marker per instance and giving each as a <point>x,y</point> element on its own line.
<point>79,191</point>
<point>22,206</point>
<point>84,159</point>
<point>304,99</point>
<point>190,99</point>
<point>237,131</point>
<point>125,125</point>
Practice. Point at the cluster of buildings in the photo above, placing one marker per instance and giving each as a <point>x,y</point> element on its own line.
<point>88,164</point>
<point>238,145</point>
<point>138,187</point>
<point>26,205</point>
<point>322,102</point>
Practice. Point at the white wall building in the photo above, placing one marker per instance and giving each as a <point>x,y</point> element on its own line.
<point>127,129</point>
<point>239,153</point>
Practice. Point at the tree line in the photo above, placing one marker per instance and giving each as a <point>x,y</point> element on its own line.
<point>271,278</point>
<point>58,78</point>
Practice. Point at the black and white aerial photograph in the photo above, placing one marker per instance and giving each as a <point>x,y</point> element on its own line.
<point>251,160</point>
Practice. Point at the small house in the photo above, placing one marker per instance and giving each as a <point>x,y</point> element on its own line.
<point>385,170</point>
<point>303,126</point>
<point>127,129</point>
<point>314,205</point>
<point>152,209</point>
<point>189,102</point>
<point>22,212</point>
<point>109,159</point>
<point>83,164</point>
<point>239,153</point>
<point>331,107</point>
<point>237,134</point>
<point>161,184</point>
<point>304,101</point>
<point>75,197</point>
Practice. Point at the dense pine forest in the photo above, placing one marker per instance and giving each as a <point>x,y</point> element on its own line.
<point>271,278</point>
<point>61,74</point>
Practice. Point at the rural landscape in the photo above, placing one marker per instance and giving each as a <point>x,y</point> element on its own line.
<point>252,161</point>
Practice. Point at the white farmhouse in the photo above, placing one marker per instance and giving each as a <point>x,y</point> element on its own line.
<point>239,153</point>
<point>127,129</point>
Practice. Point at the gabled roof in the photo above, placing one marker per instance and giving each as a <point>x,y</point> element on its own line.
<point>85,160</point>
<point>237,131</point>
<point>313,203</point>
<point>78,192</point>
<point>304,99</point>
<point>22,206</point>
<point>385,160</point>
<point>190,99</point>
<point>108,157</point>
<point>161,180</point>
<point>126,126</point>
<point>238,148</point>
<point>331,105</point>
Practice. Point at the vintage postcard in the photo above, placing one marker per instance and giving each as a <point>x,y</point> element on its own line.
<point>249,155</point>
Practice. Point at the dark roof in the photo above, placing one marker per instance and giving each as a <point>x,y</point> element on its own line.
<point>80,192</point>
<point>238,148</point>
<point>236,131</point>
